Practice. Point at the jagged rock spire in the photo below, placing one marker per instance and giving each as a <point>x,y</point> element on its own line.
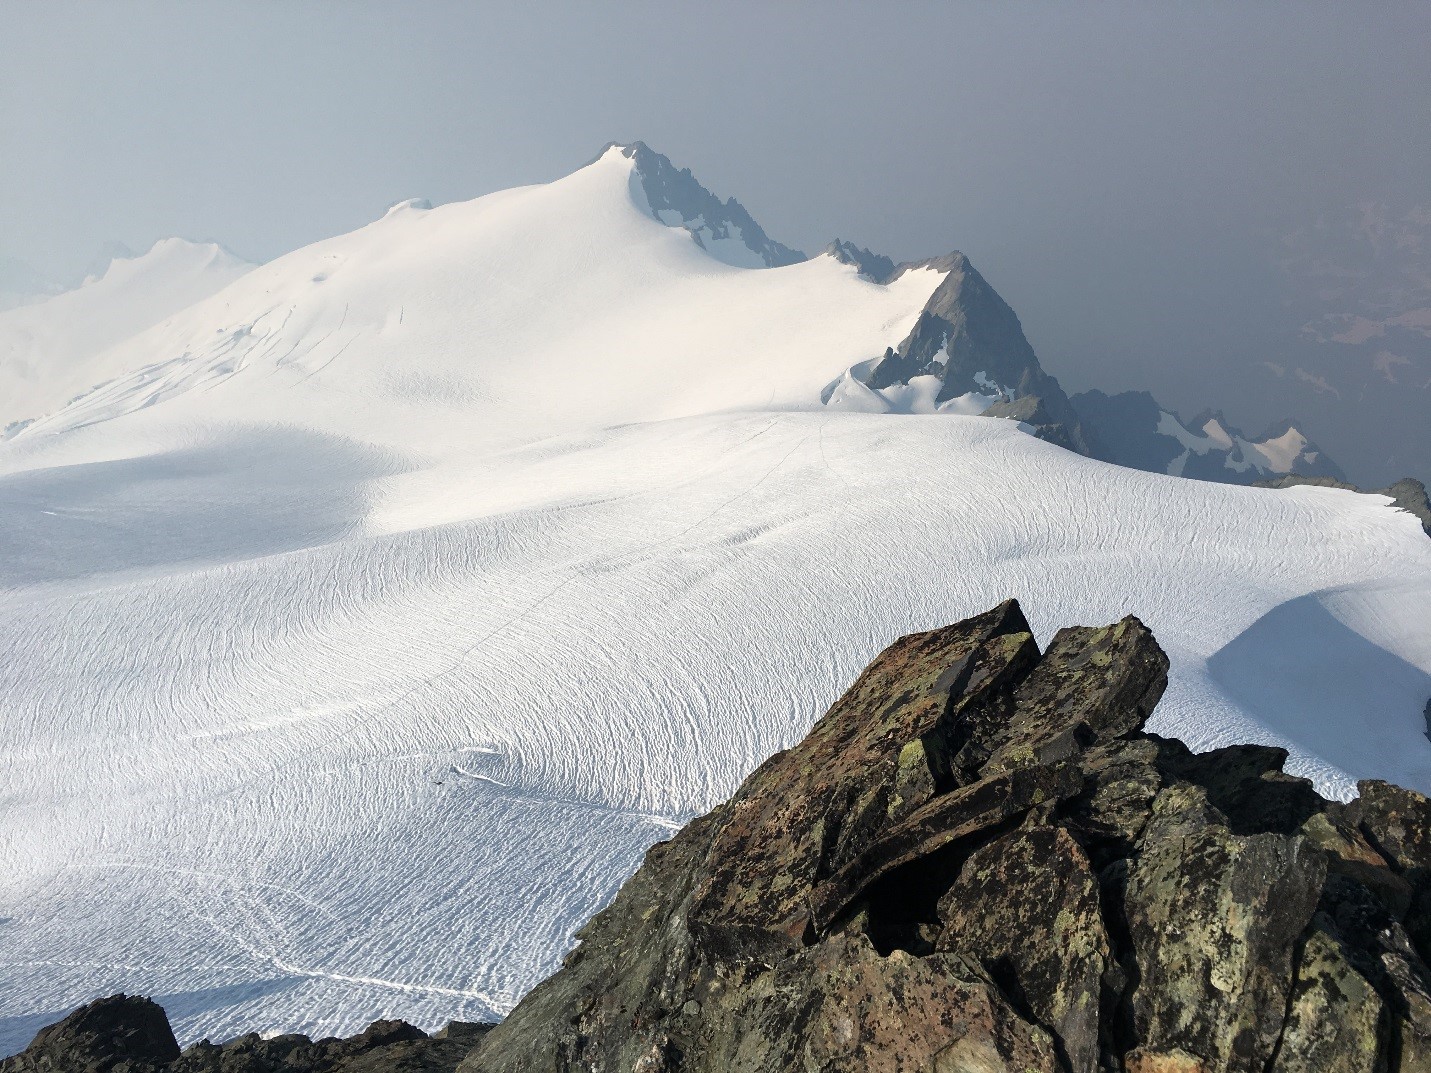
<point>978,860</point>
<point>723,228</point>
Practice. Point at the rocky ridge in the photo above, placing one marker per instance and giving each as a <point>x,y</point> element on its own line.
<point>977,861</point>
<point>722,228</point>
<point>1136,431</point>
<point>128,1034</point>
<point>968,342</point>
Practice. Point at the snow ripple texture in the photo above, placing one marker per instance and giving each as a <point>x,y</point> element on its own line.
<point>335,693</point>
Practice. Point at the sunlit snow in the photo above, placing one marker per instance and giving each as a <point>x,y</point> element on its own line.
<point>370,618</point>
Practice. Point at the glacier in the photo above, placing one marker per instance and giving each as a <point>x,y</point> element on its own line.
<point>366,618</point>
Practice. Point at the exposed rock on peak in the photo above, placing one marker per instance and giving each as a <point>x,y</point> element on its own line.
<point>967,353</point>
<point>976,861</point>
<point>873,266</point>
<point>971,342</point>
<point>723,228</point>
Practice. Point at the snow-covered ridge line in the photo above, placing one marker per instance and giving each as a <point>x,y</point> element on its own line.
<point>53,350</point>
<point>519,522</point>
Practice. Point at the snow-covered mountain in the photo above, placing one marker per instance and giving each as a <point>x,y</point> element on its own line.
<point>1135,431</point>
<point>967,354</point>
<point>366,619</point>
<point>54,349</point>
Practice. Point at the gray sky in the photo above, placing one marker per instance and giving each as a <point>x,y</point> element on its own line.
<point>1116,171</point>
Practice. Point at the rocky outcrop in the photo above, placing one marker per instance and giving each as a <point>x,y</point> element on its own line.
<point>970,340</point>
<point>976,862</point>
<point>125,1034</point>
<point>722,228</point>
<point>115,1033</point>
<point>875,267</point>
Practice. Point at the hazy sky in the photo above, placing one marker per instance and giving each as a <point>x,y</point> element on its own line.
<point>1114,170</point>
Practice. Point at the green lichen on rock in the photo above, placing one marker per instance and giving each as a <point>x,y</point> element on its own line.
<point>1336,1023</point>
<point>1214,918</point>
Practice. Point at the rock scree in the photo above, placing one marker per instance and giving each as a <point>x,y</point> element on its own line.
<point>976,862</point>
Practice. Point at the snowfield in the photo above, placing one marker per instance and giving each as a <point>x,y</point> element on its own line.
<point>371,617</point>
<point>50,351</point>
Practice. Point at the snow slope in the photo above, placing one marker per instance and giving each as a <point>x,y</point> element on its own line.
<point>363,631</point>
<point>53,349</point>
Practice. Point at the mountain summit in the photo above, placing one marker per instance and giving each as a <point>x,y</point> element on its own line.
<point>722,228</point>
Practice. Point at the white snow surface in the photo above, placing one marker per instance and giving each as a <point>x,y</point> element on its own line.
<point>368,622</point>
<point>53,349</point>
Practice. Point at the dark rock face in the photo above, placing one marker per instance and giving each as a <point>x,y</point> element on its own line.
<point>132,1035</point>
<point>875,267</point>
<point>1136,432</point>
<point>971,340</point>
<point>673,190</point>
<point>1127,426</point>
<point>1410,495</point>
<point>976,862</point>
<point>117,1033</point>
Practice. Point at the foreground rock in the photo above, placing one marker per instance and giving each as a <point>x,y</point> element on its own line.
<point>124,1034</point>
<point>976,862</point>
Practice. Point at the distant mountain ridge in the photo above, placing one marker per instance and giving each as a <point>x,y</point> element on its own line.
<point>1136,431</point>
<point>967,353</point>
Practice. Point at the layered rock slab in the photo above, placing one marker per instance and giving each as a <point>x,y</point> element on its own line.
<point>978,860</point>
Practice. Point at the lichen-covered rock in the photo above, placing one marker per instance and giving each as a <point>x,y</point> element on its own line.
<point>1026,905</point>
<point>1336,1023</point>
<point>1398,824</point>
<point>1092,685</point>
<point>976,862</point>
<point>879,753</point>
<point>1214,919</point>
